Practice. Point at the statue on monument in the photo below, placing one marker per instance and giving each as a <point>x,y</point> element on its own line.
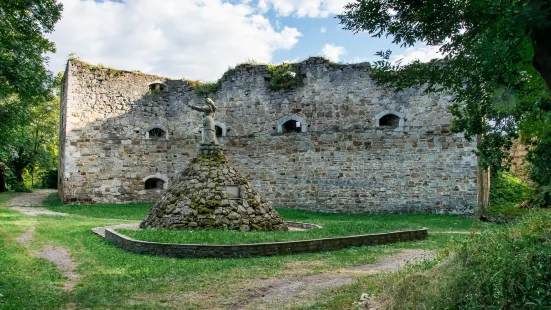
<point>209,130</point>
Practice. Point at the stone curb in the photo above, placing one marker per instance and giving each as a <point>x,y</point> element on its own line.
<point>258,249</point>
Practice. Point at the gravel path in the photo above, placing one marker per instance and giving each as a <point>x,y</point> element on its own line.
<point>34,199</point>
<point>29,203</point>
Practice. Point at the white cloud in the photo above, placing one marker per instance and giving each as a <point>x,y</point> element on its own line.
<point>196,39</point>
<point>303,8</point>
<point>323,30</point>
<point>424,54</point>
<point>333,52</point>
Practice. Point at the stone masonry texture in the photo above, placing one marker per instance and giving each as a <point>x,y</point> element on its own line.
<point>199,199</point>
<point>341,161</point>
<point>259,249</point>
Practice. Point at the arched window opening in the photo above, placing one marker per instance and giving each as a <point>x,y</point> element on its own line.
<point>157,88</point>
<point>219,131</point>
<point>390,121</point>
<point>291,123</point>
<point>292,126</point>
<point>154,183</point>
<point>157,133</point>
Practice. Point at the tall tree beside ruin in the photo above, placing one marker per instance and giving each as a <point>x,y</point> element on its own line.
<point>33,144</point>
<point>497,62</point>
<point>24,80</point>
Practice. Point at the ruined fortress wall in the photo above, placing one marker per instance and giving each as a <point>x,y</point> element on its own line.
<point>343,161</point>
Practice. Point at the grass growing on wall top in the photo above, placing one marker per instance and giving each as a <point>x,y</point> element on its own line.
<point>203,88</point>
<point>284,76</point>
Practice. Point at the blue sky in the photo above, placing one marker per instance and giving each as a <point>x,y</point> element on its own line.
<point>359,47</point>
<point>200,39</point>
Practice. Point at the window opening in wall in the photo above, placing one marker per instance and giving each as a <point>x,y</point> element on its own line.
<point>219,131</point>
<point>156,88</point>
<point>154,183</point>
<point>157,133</point>
<point>390,121</point>
<point>291,126</point>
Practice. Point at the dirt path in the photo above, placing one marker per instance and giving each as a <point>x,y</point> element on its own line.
<point>61,257</point>
<point>29,203</point>
<point>33,199</point>
<point>295,291</point>
<point>26,238</point>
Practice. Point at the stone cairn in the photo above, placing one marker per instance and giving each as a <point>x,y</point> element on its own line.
<point>210,194</point>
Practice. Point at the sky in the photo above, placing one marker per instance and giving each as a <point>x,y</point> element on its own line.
<point>201,39</point>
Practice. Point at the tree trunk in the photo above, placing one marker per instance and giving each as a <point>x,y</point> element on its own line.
<point>19,176</point>
<point>2,182</point>
<point>540,35</point>
<point>482,187</point>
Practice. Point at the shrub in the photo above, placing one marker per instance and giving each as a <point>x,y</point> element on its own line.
<point>21,188</point>
<point>506,188</point>
<point>543,196</point>
<point>284,77</point>
<point>507,268</point>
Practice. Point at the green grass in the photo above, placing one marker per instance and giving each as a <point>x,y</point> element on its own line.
<point>333,225</point>
<point>506,268</point>
<point>25,282</point>
<point>133,211</point>
<point>115,279</point>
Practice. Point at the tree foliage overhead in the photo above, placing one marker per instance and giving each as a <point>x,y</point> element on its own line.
<point>23,24</point>
<point>497,62</point>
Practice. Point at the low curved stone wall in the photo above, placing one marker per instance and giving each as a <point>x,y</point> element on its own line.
<point>258,249</point>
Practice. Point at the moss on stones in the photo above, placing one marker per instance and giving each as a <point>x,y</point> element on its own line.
<point>198,200</point>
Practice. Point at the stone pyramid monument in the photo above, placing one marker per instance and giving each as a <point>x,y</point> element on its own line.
<point>210,194</point>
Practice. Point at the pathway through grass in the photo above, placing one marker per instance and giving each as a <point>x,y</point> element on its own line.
<point>114,279</point>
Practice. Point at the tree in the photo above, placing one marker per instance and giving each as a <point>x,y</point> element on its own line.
<point>497,63</point>
<point>24,80</point>
<point>23,24</point>
<point>33,144</point>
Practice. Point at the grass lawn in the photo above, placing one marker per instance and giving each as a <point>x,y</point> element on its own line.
<point>333,225</point>
<point>114,279</point>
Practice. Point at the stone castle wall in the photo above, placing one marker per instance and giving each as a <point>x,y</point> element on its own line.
<point>342,161</point>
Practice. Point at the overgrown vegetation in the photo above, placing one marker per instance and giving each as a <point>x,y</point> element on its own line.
<point>203,88</point>
<point>507,268</point>
<point>207,88</point>
<point>508,189</point>
<point>540,157</point>
<point>284,76</point>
